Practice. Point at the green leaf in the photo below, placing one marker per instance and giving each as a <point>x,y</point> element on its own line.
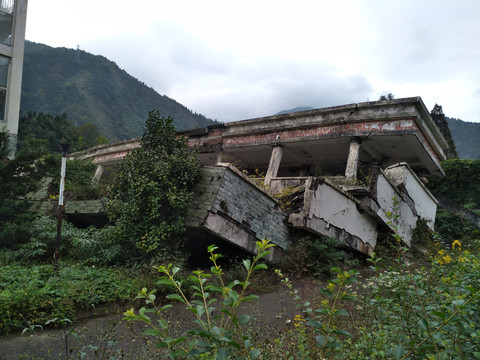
<point>254,354</point>
<point>314,323</point>
<point>342,332</point>
<point>243,319</point>
<point>212,248</point>
<point>246,264</point>
<point>458,302</point>
<point>341,312</point>
<point>326,292</point>
<point>175,297</point>
<point>425,349</point>
<point>423,324</point>
<point>320,339</point>
<point>152,332</point>
<point>262,254</point>
<point>260,267</point>
<point>165,281</point>
<point>249,298</point>
<point>223,353</point>
<point>336,270</point>
<point>233,284</point>
<point>397,351</point>
<point>440,314</point>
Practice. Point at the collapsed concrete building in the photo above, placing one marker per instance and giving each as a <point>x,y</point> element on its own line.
<point>346,172</point>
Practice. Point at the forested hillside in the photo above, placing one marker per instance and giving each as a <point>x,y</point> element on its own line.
<point>467,138</point>
<point>93,89</point>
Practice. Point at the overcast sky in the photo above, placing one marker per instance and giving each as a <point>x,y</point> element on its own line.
<point>234,60</point>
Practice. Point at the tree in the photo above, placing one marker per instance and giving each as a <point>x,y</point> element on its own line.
<point>389,96</point>
<point>18,176</point>
<point>53,130</point>
<point>439,117</point>
<point>151,195</point>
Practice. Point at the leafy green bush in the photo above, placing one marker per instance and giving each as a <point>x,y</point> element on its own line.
<point>431,313</point>
<point>151,194</point>
<point>216,335</point>
<point>86,246</point>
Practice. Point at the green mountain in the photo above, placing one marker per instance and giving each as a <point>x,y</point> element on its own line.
<point>466,136</point>
<point>297,109</point>
<point>90,88</point>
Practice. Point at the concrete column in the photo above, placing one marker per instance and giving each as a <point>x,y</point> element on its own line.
<point>98,174</point>
<point>14,83</point>
<point>218,157</point>
<point>274,164</point>
<point>353,156</point>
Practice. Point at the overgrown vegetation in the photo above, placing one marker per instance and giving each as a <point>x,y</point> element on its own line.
<point>35,294</point>
<point>17,177</point>
<point>85,246</point>
<point>315,255</point>
<point>151,194</point>
<point>398,309</point>
<point>461,183</point>
<point>401,310</point>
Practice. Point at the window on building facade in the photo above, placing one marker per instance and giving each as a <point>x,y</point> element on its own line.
<point>6,21</point>
<point>4,65</point>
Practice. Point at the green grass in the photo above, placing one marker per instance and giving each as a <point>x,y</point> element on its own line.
<point>35,294</point>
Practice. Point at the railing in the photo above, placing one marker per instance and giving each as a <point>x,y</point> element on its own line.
<point>7,6</point>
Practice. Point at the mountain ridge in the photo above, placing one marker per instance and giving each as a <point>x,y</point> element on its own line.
<point>91,88</point>
<point>466,136</point>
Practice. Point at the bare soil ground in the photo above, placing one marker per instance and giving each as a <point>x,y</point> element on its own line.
<point>102,334</point>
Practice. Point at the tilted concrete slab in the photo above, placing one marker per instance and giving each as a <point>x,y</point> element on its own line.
<point>231,207</point>
<point>329,211</point>
<point>414,192</point>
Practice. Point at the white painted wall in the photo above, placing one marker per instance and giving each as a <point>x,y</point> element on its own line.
<point>424,202</point>
<point>337,209</point>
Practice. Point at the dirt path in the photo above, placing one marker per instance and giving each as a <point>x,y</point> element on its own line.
<point>108,337</point>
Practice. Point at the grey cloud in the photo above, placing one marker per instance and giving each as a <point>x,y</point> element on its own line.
<point>224,84</point>
<point>262,89</point>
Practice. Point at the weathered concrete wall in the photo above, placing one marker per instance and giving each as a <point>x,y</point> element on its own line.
<point>413,191</point>
<point>229,206</point>
<point>407,220</point>
<point>331,212</point>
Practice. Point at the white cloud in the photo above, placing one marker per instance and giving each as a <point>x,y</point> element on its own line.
<point>233,60</point>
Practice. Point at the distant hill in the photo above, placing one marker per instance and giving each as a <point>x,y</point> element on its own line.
<point>297,109</point>
<point>91,88</point>
<point>466,136</point>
